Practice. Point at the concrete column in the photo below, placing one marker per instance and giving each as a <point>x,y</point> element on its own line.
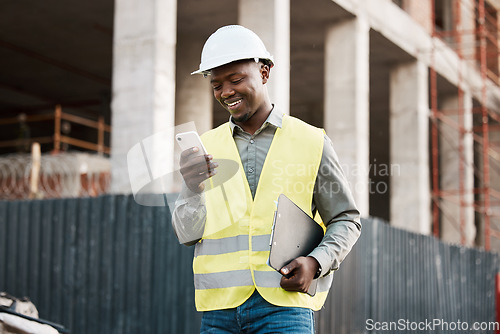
<point>193,95</point>
<point>194,98</point>
<point>143,80</point>
<point>409,150</point>
<point>448,16</point>
<point>270,19</point>
<point>346,118</point>
<point>467,27</point>
<point>494,161</point>
<point>450,162</point>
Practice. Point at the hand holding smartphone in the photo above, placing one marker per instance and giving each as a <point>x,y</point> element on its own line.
<point>187,140</point>
<point>195,166</point>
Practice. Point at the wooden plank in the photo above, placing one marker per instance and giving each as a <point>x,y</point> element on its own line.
<point>85,121</point>
<point>83,144</point>
<point>16,142</point>
<point>57,128</point>
<point>29,119</point>
<point>35,170</point>
<point>100,134</point>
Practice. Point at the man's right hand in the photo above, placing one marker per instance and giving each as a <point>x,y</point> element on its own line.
<point>196,168</point>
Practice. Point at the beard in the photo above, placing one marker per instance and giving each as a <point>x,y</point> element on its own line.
<point>242,118</point>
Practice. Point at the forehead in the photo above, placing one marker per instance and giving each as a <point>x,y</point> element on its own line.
<point>237,67</point>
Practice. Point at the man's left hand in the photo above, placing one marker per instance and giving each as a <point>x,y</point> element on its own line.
<point>298,274</point>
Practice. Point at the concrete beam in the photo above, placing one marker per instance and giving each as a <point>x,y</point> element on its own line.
<point>420,11</point>
<point>414,40</point>
<point>494,3</point>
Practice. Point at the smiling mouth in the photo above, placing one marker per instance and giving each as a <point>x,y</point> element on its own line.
<point>232,104</point>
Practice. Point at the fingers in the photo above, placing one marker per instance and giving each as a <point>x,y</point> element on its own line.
<point>295,283</point>
<point>196,168</point>
<point>189,152</point>
<point>292,279</point>
<point>286,270</point>
<point>298,274</point>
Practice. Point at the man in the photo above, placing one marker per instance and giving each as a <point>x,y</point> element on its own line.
<point>231,221</point>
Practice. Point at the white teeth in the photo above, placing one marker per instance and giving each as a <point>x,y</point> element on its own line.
<point>233,104</point>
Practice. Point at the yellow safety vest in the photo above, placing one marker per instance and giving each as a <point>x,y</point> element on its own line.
<point>230,261</point>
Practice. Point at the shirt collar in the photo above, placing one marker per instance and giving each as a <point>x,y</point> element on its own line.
<point>275,119</point>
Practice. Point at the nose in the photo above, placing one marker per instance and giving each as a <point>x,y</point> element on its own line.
<point>227,91</point>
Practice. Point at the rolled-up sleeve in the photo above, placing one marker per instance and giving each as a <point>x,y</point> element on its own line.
<point>335,203</point>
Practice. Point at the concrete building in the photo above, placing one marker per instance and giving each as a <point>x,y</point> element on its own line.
<point>397,85</point>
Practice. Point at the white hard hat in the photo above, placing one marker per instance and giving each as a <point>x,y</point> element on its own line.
<point>231,43</point>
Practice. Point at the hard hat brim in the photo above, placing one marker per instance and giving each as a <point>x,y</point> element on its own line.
<point>201,72</point>
<point>206,71</point>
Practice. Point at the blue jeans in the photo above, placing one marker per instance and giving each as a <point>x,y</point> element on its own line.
<point>256,315</point>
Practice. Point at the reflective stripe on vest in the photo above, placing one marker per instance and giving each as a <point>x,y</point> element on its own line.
<point>232,244</point>
<point>271,279</point>
<point>231,259</point>
<point>265,279</point>
<point>224,279</point>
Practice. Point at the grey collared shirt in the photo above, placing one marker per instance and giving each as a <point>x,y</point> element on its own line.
<point>332,196</point>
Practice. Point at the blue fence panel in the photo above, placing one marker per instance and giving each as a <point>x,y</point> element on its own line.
<point>98,265</point>
<point>109,265</point>
<point>397,278</point>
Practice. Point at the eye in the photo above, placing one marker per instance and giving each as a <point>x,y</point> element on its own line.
<point>216,87</point>
<point>237,81</point>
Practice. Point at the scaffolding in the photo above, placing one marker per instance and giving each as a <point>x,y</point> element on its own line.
<point>476,46</point>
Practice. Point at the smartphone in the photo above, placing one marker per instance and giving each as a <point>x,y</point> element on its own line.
<point>187,140</point>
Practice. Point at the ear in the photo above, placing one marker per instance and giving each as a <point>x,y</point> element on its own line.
<point>265,70</point>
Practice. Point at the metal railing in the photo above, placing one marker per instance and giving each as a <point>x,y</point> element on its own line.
<point>58,137</point>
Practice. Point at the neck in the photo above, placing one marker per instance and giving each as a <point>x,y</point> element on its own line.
<point>256,120</point>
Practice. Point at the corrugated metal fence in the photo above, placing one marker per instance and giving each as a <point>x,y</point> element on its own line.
<point>98,265</point>
<point>108,265</point>
<point>405,280</point>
